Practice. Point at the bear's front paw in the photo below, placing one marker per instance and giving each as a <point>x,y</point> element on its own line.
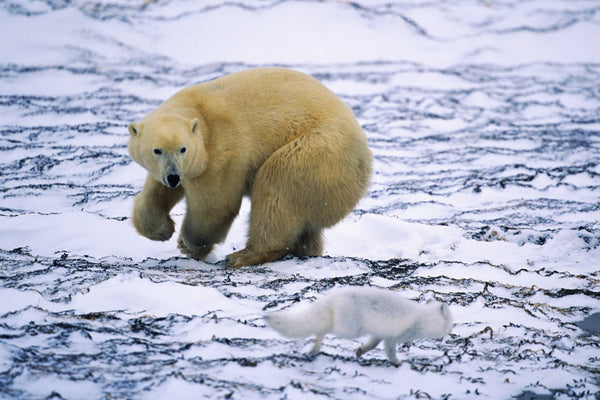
<point>197,252</point>
<point>155,227</point>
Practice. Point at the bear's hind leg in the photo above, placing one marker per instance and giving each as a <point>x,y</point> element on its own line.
<point>250,257</point>
<point>274,227</point>
<point>300,189</point>
<point>285,241</point>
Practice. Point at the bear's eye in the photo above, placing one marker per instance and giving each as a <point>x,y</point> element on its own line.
<point>157,151</point>
<point>182,150</point>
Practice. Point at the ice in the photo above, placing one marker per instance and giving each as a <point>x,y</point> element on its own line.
<point>76,232</point>
<point>137,295</point>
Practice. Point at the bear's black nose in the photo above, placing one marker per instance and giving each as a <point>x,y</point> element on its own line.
<point>173,180</point>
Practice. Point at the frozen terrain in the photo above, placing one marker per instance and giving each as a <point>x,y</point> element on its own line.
<point>484,121</point>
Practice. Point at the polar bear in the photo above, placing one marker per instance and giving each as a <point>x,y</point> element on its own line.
<point>273,134</point>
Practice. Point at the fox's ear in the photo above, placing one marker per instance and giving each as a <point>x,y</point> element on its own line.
<point>134,129</point>
<point>194,125</point>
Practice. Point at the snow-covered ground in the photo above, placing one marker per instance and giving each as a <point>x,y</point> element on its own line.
<point>484,121</point>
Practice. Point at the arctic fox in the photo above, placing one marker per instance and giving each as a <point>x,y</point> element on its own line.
<point>357,311</point>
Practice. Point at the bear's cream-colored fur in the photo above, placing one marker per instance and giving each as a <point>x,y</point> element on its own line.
<point>276,135</point>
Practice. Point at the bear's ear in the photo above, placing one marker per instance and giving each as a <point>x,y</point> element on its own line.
<point>134,129</point>
<point>194,125</point>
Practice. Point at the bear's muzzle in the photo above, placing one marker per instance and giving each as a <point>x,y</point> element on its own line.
<point>173,180</point>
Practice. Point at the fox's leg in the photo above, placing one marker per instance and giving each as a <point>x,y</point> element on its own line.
<point>390,351</point>
<point>317,346</point>
<point>370,345</point>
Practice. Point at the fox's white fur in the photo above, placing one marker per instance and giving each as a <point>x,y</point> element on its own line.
<point>353,312</point>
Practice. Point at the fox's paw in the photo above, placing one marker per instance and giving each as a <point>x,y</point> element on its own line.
<point>395,362</point>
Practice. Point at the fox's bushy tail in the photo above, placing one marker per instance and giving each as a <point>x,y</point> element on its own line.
<point>299,324</point>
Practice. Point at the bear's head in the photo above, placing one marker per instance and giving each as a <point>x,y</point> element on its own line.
<point>170,148</point>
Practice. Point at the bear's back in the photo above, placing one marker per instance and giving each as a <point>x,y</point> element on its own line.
<point>273,98</point>
<point>273,86</point>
